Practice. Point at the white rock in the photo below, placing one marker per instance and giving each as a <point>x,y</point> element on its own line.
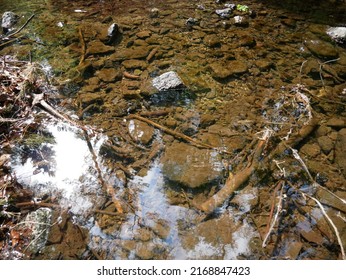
<point>238,19</point>
<point>338,34</point>
<point>167,81</point>
<point>224,13</point>
<point>9,19</point>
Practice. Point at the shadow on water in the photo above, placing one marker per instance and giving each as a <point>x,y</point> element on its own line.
<point>331,12</point>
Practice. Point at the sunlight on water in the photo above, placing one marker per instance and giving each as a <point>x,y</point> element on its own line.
<point>172,227</point>
<point>70,164</point>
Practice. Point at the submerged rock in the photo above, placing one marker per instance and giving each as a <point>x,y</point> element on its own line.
<point>97,47</point>
<point>338,34</point>
<point>113,32</point>
<point>109,74</point>
<point>212,41</point>
<point>9,19</point>
<point>190,166</point>
<point>321,49</point>
<point>167,81</point>
<point>221,71</point>
<point>224,13</point>
<point>140,132</point>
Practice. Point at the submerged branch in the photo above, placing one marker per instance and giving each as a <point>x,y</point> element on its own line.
<point>176,134</point>
<point>233,182</point>
<point>23,26</point>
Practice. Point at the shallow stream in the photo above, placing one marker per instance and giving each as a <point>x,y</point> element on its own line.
<point>127,181</point>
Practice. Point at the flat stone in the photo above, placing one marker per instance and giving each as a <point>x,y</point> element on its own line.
<point>136,52</point>
<point>135,64</point>
<point>97,47</point>
<point>264,64</point>
<point>237,67</point>
<point>87,99</point>
<point>143,34</point>
<point>190,166</point>
<point>311,150</point>
<point>221,71</point>
<point>109,75</point>
<point>321,48</point>
<point>167,81</point>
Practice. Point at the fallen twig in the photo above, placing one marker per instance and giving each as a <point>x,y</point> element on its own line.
<point>21,28</point>
<point>9,120</point>
<point>278,210</point>
<point>36,204</point>
<point>176,134</point>
<point>331,223</point>
<point>82,41</point>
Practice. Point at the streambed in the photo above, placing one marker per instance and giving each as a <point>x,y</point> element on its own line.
<point>270,72</point>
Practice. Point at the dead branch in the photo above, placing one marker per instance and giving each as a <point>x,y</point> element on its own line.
<point>233,182</point>
<point>9,120</point>
<point>36,204</point>
<point>156,113</point>
<point>10,41</point>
